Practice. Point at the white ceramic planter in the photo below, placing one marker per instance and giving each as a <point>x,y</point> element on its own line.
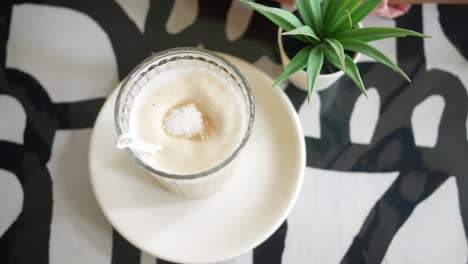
<point>299,79</point>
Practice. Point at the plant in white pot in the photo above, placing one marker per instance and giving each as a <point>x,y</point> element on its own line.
<point>327,39</point>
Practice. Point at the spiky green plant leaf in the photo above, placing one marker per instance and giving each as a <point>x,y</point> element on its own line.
<point>328,10</point>
<point>298,63</point>
<point>350,20</point>
<point>314,65</point>
<point>282,18</point>
<point>358,46</point>
<point>338,50</point>
<point>303,7</point>
<point>331,26</point>
<point>364,10</point>
<point>376,33</point>
<point>304,31</point>
<point>357,15</point>
<point>351,69</point>
<point>340,10</point>
<point>325,7</point>
<point>311,13</point>
<point>316,8</point>
<point>353,72</point>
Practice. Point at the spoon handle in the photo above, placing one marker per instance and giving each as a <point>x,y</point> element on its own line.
<point>128,141</point>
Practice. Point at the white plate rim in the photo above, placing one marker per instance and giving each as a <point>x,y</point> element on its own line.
<point>299,137</point>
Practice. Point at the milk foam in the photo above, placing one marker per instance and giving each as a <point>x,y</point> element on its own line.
<point>220,103</point>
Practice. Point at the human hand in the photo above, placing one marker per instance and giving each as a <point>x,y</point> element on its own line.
<point>288,2</point>
<point>386,9</point>
<point>390,10</point>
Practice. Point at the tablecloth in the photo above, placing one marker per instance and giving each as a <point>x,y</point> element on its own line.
<point>385,178</point>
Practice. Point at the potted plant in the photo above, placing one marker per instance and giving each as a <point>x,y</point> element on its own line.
<point>326,41</point>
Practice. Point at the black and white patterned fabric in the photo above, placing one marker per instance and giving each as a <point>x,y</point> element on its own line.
<point>385,178</point>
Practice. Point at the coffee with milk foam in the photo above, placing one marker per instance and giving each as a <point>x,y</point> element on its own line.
<point>194,114</point>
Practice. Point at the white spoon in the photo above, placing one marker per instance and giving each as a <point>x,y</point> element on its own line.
<point>128,141</point>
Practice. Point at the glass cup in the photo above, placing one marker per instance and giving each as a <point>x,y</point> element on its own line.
<point>213,179</point>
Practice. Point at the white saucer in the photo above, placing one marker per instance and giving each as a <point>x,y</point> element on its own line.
<point>266,182</point>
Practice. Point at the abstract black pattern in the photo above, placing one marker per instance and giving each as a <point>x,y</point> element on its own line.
<point>422,170</point>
